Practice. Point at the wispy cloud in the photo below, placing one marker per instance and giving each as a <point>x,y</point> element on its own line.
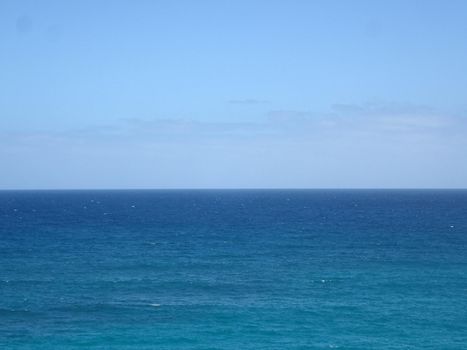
<point>188,129</point>
<point>347,119</point>
<point>343,119</point>
<point>382,108</point>
<point>350,146</point>
<point>373,118</point>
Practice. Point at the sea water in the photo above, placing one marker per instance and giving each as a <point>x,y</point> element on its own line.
<point>233,269</point>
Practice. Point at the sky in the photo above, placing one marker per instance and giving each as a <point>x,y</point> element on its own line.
<point>233,94</point>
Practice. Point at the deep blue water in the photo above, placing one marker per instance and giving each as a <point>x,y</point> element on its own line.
<point>261,269</point>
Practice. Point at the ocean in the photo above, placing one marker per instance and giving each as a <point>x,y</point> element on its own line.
<point>233,269</point>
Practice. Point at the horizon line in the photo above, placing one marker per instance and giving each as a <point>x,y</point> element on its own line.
<point>240,189</point>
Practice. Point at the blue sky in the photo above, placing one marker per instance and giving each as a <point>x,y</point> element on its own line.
<point>177,94</point>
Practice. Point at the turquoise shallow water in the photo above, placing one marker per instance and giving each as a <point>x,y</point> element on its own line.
<point>233,270</point>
